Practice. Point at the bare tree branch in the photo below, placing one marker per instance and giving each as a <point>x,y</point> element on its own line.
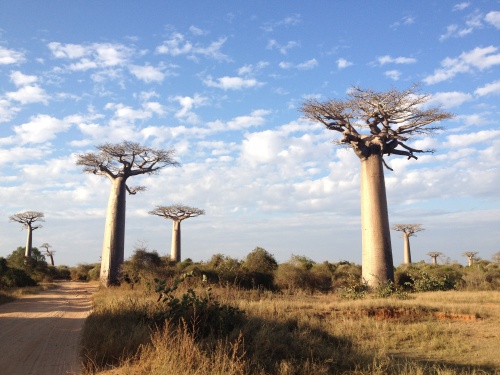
<point>28,218</point>
<point>177,212</point>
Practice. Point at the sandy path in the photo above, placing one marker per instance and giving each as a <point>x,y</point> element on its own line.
<point>39,334</point>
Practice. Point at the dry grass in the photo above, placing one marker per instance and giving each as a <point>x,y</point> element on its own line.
<point>10,294</point>
<point>433,333</point>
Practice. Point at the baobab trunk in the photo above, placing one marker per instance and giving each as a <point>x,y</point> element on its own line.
<point>376,236</point>
<point>175,252</point>
<point>114,233</point>
<point>29,242</point>
<point>407,253</point>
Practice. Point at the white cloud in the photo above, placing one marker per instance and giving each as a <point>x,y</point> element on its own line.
<point>461,6</point>
<point>256,118</point>
<point>283,49</point>
<point>196,31</point>
<point>7,110</point>
<point>387,59</point>
<point>478,58</point>
<point>464,140</point>
<point>29,94</point>
<point>10,56</point>
<point>393,74</point>
<point>490,88</point>
<point>306,65</point>
<point>187,104</point>
<point>20,79</point>
<point>177,45</point>
<point>40,129</point>
<point>292,20</point>
<point>148,73</point>
<point>91,56</point>
<point>261,147</point>
<point>449,99</point>
<point>493,18</point>
<point>251,69</point>
<point>343,63</point>
<point>232,83</point>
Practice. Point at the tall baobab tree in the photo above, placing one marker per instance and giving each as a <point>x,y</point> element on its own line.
<point>389,120</point>
<point>470,256</point>
<point>118,162</point>
<point>176,213</point>
<point>50,253</point>
<point>28,219</point>
<point>434,255</point>
<point>408,230</point>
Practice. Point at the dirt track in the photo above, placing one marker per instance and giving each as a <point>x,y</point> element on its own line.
<point>39,334</point>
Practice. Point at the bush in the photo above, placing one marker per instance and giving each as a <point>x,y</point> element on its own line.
<point>13,277</point>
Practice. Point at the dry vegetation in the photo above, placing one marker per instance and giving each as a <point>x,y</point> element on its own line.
<point>446,332</point>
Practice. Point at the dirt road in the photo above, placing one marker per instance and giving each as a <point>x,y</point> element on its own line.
<point>39,334</point>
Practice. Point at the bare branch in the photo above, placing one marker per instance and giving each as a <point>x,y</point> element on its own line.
<point>28,218</point>
<point>409,229</point>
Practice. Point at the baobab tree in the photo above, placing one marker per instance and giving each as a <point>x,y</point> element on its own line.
<point>50,253</point>
<point>434,255</point>
<point>118,162</point>
<point>470,256</point>
<point>376,124</point>
<point>176,213</point>
<point>29,219</point>
<point>408,230</point>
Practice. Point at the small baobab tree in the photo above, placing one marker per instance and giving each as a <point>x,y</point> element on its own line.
<point>119,162</point>
<point>29,221</point>
<point>49,252</point>
<point>377,124</point>
<point>471,255</point>
<point>408,230</point>
<point>434,255</point>
<point>176,213</point>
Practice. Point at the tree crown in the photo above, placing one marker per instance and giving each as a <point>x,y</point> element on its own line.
<point>409,229</point>
<point>390,118</point>
<point>125,159</point>
<point>177,212</point>
<point>28,218</point>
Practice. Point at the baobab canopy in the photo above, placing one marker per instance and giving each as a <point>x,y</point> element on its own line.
<point>390,120</point>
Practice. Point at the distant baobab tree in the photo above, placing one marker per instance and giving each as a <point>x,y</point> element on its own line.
<point>50,253</point>
<point>28,220</point>
<point>176,213</point>
<point>118,162</point>
<point>408,230</point>
<point>434,255</point>
<point>391,119</point>
<point>471,255</point>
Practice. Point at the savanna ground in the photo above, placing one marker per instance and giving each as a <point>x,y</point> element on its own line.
<point>235,331</point>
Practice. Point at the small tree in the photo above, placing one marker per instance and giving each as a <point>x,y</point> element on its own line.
<point>260,260</point>
<point>391,119</point>
<point>408,230</point>
<point>470,256</point>
<point>176,213</point>
<point>50,253</point>
<point>28,220</point>
<point>434,255</point>
<point>496,257</point>
<point>118,162</point>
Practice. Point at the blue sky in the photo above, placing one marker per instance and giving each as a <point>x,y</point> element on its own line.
<point>221,82</point>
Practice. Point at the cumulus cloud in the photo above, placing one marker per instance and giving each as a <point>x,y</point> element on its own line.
<point>282,48</point>
<point>40,129</point>
<point>20,79</point>
<point>92,56</point>
<point>148,73</point>
<point>490,88</point>
<point>493,18</point>
<point>10,56</point>
<point>187,104</point>
<point>449,99</point>
<point>292,20</point>
<point>343,63</point>
<point>256,118</point>
<point>232,83</point>
<point>465,140</point>
<point>393,74</point>
<point>479,58</point>
<point>306,65</point>
<point>178,45</point>
<point>387,59</point>
<point>29,94</point>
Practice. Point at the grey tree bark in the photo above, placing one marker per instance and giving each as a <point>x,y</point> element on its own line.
<point>391,119</point>
<point>175,251</point>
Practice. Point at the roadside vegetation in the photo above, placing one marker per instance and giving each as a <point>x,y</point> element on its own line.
<point>255,316</point>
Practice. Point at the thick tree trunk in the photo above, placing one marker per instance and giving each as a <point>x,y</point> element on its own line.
<point>51,260</point>
<point>29,242</point>
<point>377,264</point>
<point>407,253</point>
<point>175,251</point>
<point>113,246</point>
<point>434,260</point>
